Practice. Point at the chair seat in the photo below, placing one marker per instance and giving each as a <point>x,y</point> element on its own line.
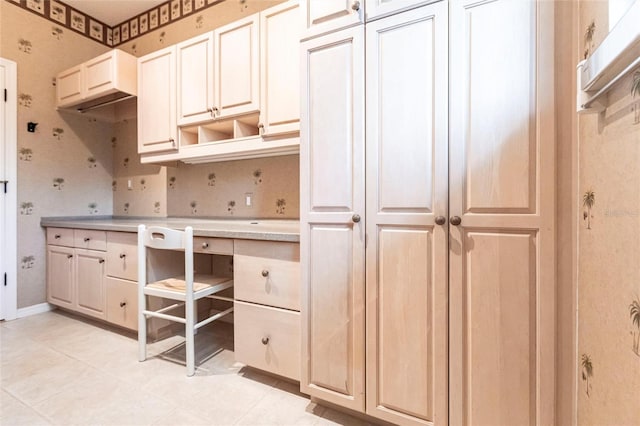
<point>178,284</point>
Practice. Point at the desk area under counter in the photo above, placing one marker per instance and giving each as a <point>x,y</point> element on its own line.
<point>266,271</point>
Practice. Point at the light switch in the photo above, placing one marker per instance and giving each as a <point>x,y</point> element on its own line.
<point>248,199</point>
<point>129,185</point>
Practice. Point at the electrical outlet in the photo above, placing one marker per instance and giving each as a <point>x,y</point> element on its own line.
<point>248,199</point>
<point>129,185</point>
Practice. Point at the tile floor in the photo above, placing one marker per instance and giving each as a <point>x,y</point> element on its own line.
<point>61,370</point>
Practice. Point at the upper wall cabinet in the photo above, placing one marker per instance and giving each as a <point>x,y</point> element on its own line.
<point>102,80</point>
<point>157,130</point>
<point>195,79</point>
<point>237,68</point>
<point>379,8</point>
<point>324,16</point>
<point>280,75</point>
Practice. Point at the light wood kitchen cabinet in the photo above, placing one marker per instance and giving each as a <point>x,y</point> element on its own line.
<point>89,278</point>
<point>280,69</point>
<point>122,302</point>
<point>237,67</point>
<point>459,177</point>
<point>195,79</point>
<point>122,255</point>
<point>332,210</point>
<point>406,187</point>
<point>157,118</point>
<point>325,16</point>
<point>502,145</point>
<point>266,277</point>
<point>60,276</point>
<point>76,270</point>
<point>111,76</point>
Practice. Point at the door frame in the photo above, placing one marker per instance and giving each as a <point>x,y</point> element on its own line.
<point>9,244</point>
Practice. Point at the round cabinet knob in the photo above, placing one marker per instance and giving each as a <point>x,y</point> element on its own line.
<point>101,261</point>
<point>69,256</point>
<point>441,220</point>
<point>355,6</point>
<point>265,273</point>
<point>355,218</point>
<point>57,236</point>
<point>205,245</point>
<point>123,304</point>
<point>455,220</point>
<point>87,239</point>
<point>122,255</point>
<point>265,340</point>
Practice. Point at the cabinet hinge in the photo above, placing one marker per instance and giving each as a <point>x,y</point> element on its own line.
<point>5,279</point>
<point>5,95</point>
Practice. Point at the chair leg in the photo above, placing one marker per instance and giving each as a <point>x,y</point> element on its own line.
<point>190,337</point>
<point>142,330</point>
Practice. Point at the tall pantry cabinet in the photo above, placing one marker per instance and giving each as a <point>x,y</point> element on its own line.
<point>427,245</point>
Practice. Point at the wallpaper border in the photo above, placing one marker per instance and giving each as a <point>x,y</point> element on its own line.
<point>156,17</point>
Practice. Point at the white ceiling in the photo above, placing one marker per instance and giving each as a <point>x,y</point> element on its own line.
<point>113,12</point>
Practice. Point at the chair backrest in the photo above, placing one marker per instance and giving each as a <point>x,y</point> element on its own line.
<point>166,239</point>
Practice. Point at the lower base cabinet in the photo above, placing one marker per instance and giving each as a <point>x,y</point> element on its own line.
<point>122,302</point>
<point>267,338</point>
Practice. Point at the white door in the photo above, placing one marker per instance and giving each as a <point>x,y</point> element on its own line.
<point>332,235</point>
<point>325,16</point>
<point>407,199</point>
<point>502,200</point>
<point>8,186</point>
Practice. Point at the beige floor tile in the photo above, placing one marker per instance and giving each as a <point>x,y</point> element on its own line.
<point>15,413</point>
<point>180,416</point>
<point>331,417</point>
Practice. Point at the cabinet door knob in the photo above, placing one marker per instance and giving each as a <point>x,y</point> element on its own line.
<point>87,239</point>
<point>441,220</point>
<point>57,236</point>
<point>355,218</point>
<point>265,340</point>
<point>205,245</point>
<point>123,304</point>
<point>101,261</point>
<point>69,256</point>
<point>122,255</point>
<point>265,273</point>
<point>355,6</point>
<point>455,220</point>
<point>173,141</point>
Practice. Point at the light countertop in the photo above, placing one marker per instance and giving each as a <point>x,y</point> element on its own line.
<point>252,229</point>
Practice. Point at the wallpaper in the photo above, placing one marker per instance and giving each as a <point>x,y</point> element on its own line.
<point>609,249</point>
<point>65,164</point>
<point>75,165</point>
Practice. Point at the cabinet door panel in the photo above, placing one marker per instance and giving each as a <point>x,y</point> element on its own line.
<point>69,86</point>
<point>157,129</point>
<point>280,76</point>
<point>60,270</point>
<point>332,196</point>
<point>324,16</point>
<point>407,183</point>
<point>90,289</point>
<point>121,306</point>
<point>237,70</point>
<point>502,281</point>
<point>380,8</point>
<point>195,79</point>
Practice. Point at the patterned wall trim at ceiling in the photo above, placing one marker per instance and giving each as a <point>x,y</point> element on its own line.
<point>154,18</point>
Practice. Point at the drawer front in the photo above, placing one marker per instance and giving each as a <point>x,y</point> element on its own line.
<point>122,255</point>
<point>60,236</point>
<point>267,338</point>
<point>267,281</point>
<point>268,273</point>
<point>122,302</point>
<point>213,245</point>
<point>90,240</point>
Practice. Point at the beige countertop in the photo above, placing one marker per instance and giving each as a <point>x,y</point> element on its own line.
<point>251,229</point>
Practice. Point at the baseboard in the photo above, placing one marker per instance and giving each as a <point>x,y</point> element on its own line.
<point>34,309</point>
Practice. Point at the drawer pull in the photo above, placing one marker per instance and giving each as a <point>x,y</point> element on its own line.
<point>265,273</point>
<point>205,245</point>
<point>265,341</point>
<point>123,304</point>
<point>101,261</point>
<point>57,236</point>
<point>122,255</point>
<point>69,256</point>
<point>87,239</point>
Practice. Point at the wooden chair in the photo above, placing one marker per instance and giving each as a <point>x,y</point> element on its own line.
<point>186,290</point>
